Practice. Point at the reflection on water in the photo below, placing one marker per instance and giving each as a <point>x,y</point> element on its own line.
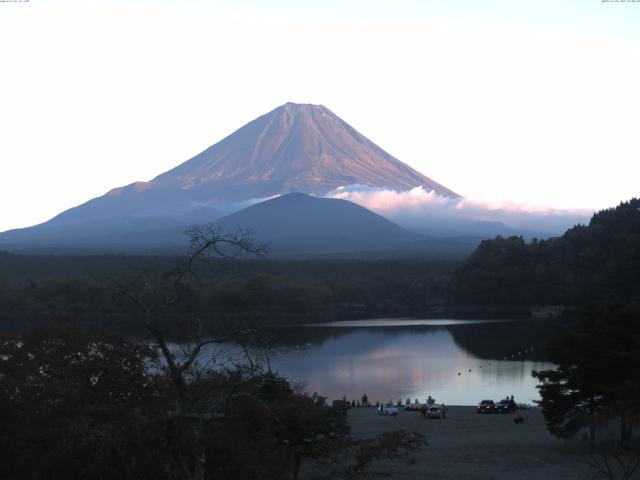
<point>414,361</point>
<point>400,322</point>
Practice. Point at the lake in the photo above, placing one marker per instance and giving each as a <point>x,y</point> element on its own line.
<point>457,362</point>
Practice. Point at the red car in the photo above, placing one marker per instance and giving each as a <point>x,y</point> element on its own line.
<point>486,406</point>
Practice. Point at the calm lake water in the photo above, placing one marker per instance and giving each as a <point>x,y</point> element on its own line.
<point>457,362</point>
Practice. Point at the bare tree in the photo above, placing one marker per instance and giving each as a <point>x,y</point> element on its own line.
<point>614,462</point>
<point>615,454</point>
<point>153,300</point>
<point>308,436</point>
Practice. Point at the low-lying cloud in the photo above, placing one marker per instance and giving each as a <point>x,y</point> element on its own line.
<point>424,209</point>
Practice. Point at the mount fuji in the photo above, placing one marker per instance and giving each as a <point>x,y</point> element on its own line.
<point>294,148</point>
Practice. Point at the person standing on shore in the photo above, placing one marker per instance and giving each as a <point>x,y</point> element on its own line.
<point>365,400</point>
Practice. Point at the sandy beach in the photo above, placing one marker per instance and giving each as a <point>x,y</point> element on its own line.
<point>467,445</point>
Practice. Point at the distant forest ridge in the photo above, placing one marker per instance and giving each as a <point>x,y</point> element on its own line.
<point>594,263</point>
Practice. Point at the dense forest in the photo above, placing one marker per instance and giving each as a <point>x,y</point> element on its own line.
<point>81,289</point>
<point>595,263</point>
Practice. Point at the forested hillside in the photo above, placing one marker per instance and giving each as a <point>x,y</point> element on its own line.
<point>595,263</point>
<point>81,290</point>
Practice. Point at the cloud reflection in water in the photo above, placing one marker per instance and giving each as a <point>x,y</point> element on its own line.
<point>404,362</point>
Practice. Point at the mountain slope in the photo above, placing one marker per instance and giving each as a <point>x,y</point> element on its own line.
<point>302,223</point>
<point>295,225</point>
<point>294,148</point>
<point>299,225</point>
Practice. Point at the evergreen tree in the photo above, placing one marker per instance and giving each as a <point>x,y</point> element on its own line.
<point>596,378</point>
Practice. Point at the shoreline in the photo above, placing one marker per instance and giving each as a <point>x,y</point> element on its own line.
<point>466,445</point>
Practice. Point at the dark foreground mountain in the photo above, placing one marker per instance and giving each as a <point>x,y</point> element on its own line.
<point>295,225</point>
<point>299,224</point>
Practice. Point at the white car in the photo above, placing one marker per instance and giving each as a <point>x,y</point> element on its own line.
<point>388,409</point>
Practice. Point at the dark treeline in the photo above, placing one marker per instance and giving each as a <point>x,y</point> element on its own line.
<point>595,263</point>
<point>36,289</point>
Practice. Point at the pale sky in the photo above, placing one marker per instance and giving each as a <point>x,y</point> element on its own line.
<point>533,102</point>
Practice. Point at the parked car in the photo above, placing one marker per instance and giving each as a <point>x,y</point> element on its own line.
<point>486,406</point>
<point>434,412</point>
<point>388,409</point>
<point>506,406</point>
